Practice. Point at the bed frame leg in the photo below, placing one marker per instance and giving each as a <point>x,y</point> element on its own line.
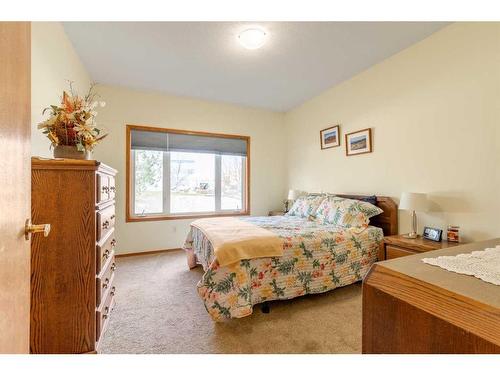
<point>265,308</point>
<point>191,258</point>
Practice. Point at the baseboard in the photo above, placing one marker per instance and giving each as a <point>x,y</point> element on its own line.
<point>149,252</point>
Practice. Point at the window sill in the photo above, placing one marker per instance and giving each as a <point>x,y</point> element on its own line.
<point>133,219</point>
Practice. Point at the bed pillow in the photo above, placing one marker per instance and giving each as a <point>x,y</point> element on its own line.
<point>306,206</point>
<point>369,198</point>
<point>372,199</point>
<point>347,213</point>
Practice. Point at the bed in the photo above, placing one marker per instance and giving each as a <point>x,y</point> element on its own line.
<point>317,257</point>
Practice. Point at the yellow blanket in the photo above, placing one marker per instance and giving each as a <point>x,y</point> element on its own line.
<point>233,239</point>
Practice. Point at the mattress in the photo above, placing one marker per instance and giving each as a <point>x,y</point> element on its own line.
<point>317,258</point>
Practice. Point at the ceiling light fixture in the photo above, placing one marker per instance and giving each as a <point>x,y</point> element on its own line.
<point>252,38</point>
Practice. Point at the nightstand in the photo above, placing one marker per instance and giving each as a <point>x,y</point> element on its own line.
<point>276,213</point>
<point>399,246</point>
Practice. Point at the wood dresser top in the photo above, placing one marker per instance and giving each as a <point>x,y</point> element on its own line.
<point>47,163</point>
<point>468,286</point>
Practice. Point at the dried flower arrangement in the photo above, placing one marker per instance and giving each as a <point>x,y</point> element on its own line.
<point>73,122</point>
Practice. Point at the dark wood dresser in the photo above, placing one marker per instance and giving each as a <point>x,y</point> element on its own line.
<point>72,270</point>
<point>413,307</point>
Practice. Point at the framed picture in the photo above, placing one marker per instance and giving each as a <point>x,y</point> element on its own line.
<point>359,142</point>
<point>330,137</point>
<point>433,234</point>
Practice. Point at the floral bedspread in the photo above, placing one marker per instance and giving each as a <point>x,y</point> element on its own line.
<point>317,258</point>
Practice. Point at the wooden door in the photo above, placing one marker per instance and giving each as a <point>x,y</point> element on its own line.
<point>15,185</point>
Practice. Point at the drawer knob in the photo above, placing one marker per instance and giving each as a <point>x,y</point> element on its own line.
<point>105,316</point>
<point>112,188</point>
<point>105,189</point>
<point>105,255</point>
<point>112,217</point>
<point>105,284</point>
<point>113,267</point>
<point>105,225</point>
<point>113,243</point>
<point>112,291</point>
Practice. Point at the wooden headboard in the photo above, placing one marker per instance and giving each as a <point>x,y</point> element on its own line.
<point>387,220</point>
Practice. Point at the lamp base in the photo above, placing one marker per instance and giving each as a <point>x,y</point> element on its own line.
<point>413,234</point>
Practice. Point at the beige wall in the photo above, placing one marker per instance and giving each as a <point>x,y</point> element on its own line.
<point>53,63</point>
<point>434,110</point>
<point>125,106</point>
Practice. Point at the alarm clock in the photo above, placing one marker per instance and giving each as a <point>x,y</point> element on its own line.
<point>433,234</point>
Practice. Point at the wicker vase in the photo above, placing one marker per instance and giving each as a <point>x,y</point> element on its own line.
<point>71,152</point>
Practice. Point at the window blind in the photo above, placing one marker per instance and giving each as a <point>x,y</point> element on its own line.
<point>165,141</point>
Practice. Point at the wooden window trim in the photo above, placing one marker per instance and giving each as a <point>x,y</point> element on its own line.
<point>129,217</point>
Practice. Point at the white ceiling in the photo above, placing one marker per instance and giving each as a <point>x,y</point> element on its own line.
<point>205,60</point>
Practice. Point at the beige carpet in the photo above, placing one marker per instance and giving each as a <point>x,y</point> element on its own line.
<point>158,311</point>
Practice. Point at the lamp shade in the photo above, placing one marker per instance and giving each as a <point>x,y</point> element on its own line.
<point>293,194</point>
<point>414,202</point>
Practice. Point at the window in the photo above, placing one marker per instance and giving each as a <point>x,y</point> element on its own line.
<point>177,174</point>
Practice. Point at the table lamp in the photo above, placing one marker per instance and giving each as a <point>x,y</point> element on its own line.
<point>413,202</point>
